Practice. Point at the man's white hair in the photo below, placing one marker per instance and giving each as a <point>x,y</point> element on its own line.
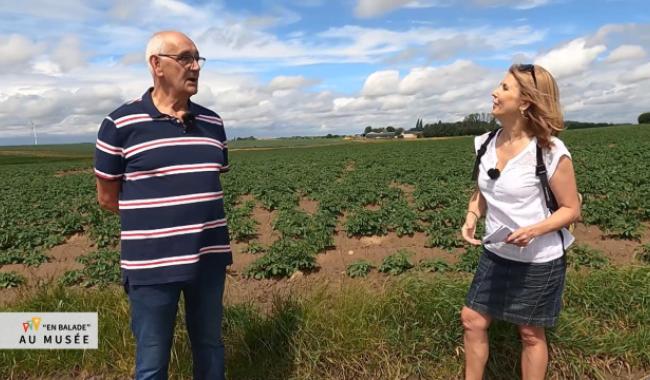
<point>154,47</point>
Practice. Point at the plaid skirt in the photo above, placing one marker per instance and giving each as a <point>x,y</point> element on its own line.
<point>520,293</point>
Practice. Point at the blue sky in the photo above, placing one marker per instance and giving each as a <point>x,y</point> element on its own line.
<point>279,68</point>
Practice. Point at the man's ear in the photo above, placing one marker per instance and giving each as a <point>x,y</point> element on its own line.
<point>154,63</point>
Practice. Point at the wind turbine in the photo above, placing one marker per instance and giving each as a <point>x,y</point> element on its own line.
<point>34,132</point>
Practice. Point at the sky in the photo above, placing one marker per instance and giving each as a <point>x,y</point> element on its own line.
<point>313,67</point>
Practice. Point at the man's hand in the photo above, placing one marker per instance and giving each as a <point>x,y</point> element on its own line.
<point>108,193</point>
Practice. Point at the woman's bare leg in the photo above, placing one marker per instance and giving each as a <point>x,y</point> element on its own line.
<point>534,353</point>
<point>476,342</point>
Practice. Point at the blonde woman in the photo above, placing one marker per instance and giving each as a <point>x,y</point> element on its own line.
<point>521,272</point>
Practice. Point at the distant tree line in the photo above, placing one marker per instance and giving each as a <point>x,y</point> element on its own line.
<point>479,123</point>
<point>644,118</point>
<point>472,124</point>
<point>569,124</point>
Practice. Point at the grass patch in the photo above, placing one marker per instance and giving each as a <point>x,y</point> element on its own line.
<point>410,329</point>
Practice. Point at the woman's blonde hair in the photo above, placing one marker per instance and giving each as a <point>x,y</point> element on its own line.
<point>539,89</point>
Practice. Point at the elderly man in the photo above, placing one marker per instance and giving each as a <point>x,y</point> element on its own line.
<point>157,164</point>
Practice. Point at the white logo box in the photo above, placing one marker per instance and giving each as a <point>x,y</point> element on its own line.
<point>27,330</point>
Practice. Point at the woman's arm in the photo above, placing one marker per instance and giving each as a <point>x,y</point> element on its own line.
<point>475,210</point>
<point>563,185</point>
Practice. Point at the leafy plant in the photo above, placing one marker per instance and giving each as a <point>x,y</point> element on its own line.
<point>581,256</point>
<point>397,263</point>
<point>443,237</point>
<point>429,265</point>
<point>11,280</point>
<point>625,228</point>
<point>17,256</point>
<point>359,269</point>
<point>101,268</point>
<point>255,247</point>
<point>240,223</point>
<point>284,258</point>
<point>71,278</point>
<point>366,223</point>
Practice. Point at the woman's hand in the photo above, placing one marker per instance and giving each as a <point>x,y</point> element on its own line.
<point>522,236</point>
<point>468,230</point>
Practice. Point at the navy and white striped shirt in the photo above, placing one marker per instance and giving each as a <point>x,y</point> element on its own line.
<point>171,200</point>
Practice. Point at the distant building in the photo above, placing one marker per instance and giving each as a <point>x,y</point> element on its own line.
<point>380,135</point>
<point>412,135</point>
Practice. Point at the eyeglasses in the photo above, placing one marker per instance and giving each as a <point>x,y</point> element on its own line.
<point>185,60</point>
<point>531,69</point>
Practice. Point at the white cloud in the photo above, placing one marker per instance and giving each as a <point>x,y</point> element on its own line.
<point>44,9</point>
<point>381,83</point>
<point>374,8</point>
<point>395,102</point>
<point>571,58</point>
<point>367,44</point>
<point>637,74</point>
<point>16,51</point>
<point>446,48</point>
<point>289,82</point>
<point>346,105</point>
<point>68,54</point>
<point>176,8</point>
<point>517,4</point>
<point>617,34</point>
<point>239,98</point>
<point>626,52</point>
<point>436,80</point>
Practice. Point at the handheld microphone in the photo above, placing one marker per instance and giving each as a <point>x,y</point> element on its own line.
<point>188,121</point>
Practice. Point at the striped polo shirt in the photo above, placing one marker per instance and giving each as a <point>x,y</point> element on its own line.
<point>171,201</point>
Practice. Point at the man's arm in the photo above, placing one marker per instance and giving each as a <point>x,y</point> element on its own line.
<point>108,193</point>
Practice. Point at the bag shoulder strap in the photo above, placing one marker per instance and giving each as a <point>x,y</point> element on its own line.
<point>540,171</point>
<point>549,197</point>
<point>481,152</point>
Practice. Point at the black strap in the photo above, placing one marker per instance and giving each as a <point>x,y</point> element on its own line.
<point>549,197</point>
<point>481,152</point>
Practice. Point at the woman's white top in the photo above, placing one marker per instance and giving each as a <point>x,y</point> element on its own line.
<point>515,199</point>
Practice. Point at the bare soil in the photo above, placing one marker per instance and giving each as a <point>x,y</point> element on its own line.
<point>62,173</point>
<point>308,205</point>
<point>62,258</point>
<point>332,262</point>
<point>407,190</point>
<point>266,235</point>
